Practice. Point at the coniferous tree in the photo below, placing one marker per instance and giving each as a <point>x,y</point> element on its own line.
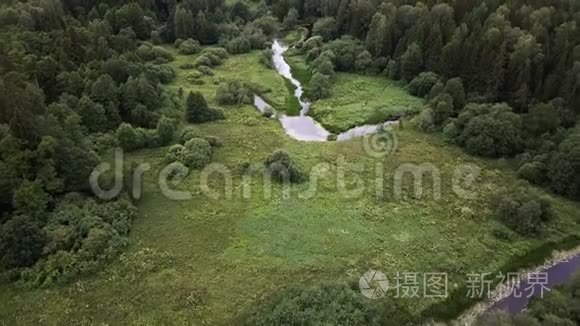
<point>376,35</point>
<point>411,62</point>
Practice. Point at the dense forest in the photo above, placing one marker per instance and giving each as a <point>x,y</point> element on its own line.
<point>500,79</point>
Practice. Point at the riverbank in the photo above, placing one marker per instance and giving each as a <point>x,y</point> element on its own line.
<point>503,290</point>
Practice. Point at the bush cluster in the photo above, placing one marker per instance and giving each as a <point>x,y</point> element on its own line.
<point>233,92</point>
<point>523,211</point>
<point>75,239</point>
<point>282,168</point>
<point>195,153</point>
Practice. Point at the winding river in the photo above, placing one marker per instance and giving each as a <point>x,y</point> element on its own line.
<point>304,127</point>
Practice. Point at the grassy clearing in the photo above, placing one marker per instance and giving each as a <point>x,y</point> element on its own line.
<point>204,261</point>
<point>244,67</point>
<point>358,100</point>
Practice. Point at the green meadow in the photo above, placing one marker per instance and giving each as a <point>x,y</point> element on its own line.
<point>209,259</point>
<point>359,99</point>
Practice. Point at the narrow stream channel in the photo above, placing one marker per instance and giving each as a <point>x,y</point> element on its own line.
<point>304,127</point>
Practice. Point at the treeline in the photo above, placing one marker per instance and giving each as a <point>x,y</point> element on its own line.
<point>78,78</point>
<point>72,84</point>
<point>502,79</point>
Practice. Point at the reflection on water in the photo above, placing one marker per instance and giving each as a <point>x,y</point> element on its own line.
<point>303,127</point>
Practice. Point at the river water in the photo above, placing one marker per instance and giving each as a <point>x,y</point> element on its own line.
<point>560,273</point>
<point>304,127</point>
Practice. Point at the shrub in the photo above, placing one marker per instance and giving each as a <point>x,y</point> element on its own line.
<point>534,172</point>
<point>426,121</point>
<point>21,242</point>
<point>346,50</point>
<point>489,130</point>
<point>99,142</point>
<point>81,235</point>
<point>189,133</point>
<point>147,52</point>
<point>175,153</point>
<point>205,70</point>
<point>178,43</point>
<point>282,168</point>
<point>233,93</point>
<point>523,211</point>
<point>291,19</point>
<point>197,110</point>
<point>454,88</point>
<point>202,60</point>
<point>266,58</point>
<point>363,61</point>
<point>319,86</point>
<point>326,304</point>
<point>214,141</point>
<point>238,45</point>
<point>422,84</point>
<point>189,46</point>
<point>326,28</point>
<point>166,129</point>
<point>159,73</point>
<point>156,37</point>
<point>127,137</point>
<point>186,66</point>
<point>442,106</point>
<point>314,42</point>
<point>197,153</point>
<point>217,51</point>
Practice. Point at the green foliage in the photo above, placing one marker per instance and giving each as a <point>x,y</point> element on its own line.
<point>291,19</point>
<point>127,137</point>
<point>455,89</point>
<point>21,242</point>
<point>282,168</point>
<point>411,62</point>
<point>198,153</point>
<point>205,70</point>
<point>542,118</point>
<point>266,58</point>
<point>326,304</point>
<point>30,199</point>
<point>363,62</point>
<point>489,130</point>
<point>195,154</point>
<point>442,106</point>
<point>189,46</point>
<point>166,129</point>
<point>233,92</point>
<point>564,166</point>
<point>326,28</point>
<point>80,236</point>
<point>189,133</point>
<point>423,84</point>
<point>346,51</point>
<point>556,307</point>
<point>239,45</point>
<point>197,110</point>
<point>148,52</point>
<point>319,86</point>
<point>523,211</point>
